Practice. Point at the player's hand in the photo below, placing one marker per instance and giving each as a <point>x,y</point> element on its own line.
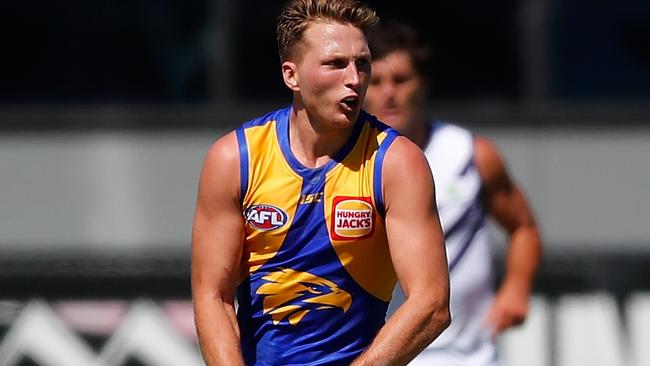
<point>509,309</point>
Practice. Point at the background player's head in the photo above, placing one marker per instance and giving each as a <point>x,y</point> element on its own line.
<point>400,65</point>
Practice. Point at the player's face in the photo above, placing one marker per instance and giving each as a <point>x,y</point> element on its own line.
<point>396,92</point>
<point>332,72</point>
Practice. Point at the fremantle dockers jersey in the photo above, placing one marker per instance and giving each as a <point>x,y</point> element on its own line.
<point>316,273</point>
<point>450,152</point>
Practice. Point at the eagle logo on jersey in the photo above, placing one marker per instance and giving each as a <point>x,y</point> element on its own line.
<point>291,294</point>
<point>265,217</point>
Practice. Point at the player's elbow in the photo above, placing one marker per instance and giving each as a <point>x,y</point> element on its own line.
<point>441,318</point>
<point>438,317</point>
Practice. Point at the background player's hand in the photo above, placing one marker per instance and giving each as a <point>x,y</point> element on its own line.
<point>509,309</point>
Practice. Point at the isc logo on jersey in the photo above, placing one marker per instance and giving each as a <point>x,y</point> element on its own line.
<point>265,217</point>
<point>352,218</point>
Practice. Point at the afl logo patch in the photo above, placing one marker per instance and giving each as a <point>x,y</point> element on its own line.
<point>265,217</point>
<point>352,218</point>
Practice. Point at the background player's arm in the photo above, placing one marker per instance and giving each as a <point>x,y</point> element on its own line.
<point>217,237</point>
<point>417,249</point>
<point>506,203</point>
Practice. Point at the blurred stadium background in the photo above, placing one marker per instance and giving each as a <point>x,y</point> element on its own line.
<point>107,108</point>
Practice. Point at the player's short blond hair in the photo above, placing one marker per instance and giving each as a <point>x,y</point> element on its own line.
<point>298,14</point>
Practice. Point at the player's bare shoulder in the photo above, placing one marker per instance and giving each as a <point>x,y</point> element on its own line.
<point>406,173</point>
<point>405,159</point>
<point>225,150</point>
<point>489,162</point>
<point>220,171</point>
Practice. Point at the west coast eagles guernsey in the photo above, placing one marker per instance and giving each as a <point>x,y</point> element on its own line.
<point>316,273</point>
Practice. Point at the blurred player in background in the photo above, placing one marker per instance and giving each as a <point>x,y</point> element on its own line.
<point>472,184</point>
<point>306,215</point>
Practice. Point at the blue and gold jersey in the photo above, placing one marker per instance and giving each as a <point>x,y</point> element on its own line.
<point>316,273</point>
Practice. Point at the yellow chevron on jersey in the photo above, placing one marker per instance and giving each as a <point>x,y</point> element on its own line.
<point>315,267</point>
<point>269,178</point>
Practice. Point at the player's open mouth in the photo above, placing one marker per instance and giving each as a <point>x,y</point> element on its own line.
<point>351,101</point>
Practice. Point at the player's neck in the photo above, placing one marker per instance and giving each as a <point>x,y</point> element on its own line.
<point>312,143</point>
<point>418,132</point>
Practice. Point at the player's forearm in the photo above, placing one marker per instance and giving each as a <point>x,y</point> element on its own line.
<point>523,257</point>
<point>218,332</point>
<point>415,324</point>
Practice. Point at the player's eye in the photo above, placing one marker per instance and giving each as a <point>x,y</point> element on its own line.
<point>363,64</point>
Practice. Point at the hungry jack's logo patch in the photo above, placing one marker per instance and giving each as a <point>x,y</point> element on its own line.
<point>352,218</point>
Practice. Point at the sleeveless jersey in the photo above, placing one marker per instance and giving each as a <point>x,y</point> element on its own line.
<point>316,272</point>
<point>450,152</point>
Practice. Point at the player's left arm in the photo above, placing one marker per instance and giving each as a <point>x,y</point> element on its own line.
<point>417,250</point>
<point>507,205</point>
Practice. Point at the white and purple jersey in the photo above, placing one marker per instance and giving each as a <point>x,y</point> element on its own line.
<point>450,152</point>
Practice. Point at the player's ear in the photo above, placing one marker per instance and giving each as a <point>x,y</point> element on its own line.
<point>290,75</point>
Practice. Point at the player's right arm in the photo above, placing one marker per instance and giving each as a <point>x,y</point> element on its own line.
<point>217,240</point>
<point>417,250</point>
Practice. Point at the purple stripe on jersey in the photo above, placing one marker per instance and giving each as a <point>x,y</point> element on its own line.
<point>479,220</point>
<point>464,218</point>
